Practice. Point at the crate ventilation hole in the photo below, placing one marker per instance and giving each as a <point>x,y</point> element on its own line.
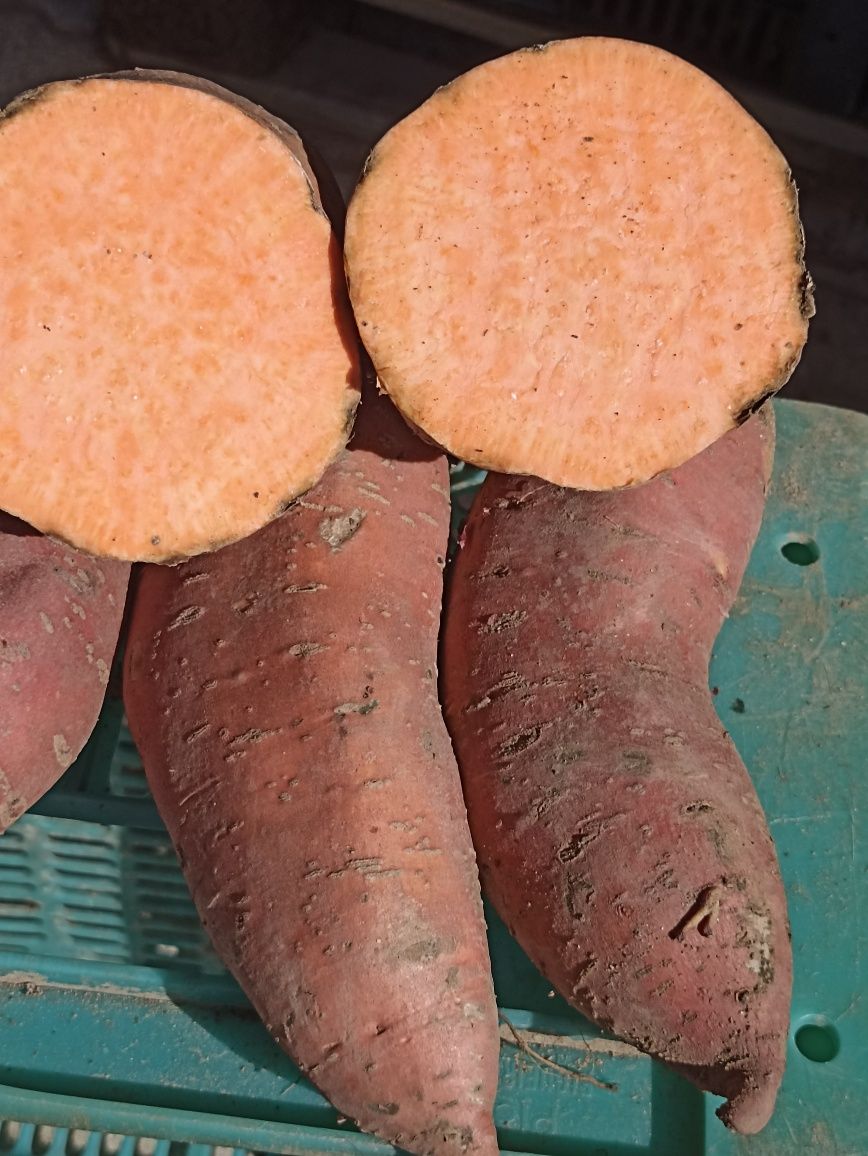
<point>818,1041</point>
<point>801,550</point>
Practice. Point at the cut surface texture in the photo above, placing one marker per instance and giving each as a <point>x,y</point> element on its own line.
<point>617,830</point>
<point>176,352</point>
<point>582,262</point>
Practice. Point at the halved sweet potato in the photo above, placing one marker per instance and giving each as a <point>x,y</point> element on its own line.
<point>177,357</point>
<point>582,261</point>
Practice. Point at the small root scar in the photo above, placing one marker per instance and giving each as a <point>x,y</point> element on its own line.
<point>186,617</point>
<point>356,707</point>
<point>336,531</point>
<point>702,915</point>
<point>62,751</point>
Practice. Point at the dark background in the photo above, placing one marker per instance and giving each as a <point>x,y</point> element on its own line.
<point>341,72</point>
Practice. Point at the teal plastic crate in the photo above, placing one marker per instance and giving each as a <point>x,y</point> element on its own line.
<point>121,1034</point>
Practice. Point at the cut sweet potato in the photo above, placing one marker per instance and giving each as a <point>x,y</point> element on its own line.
<point>617,830</point>
<point>283,695</point>
<point>176,354</point>
<point>582,261</point>
<point>60,614</point>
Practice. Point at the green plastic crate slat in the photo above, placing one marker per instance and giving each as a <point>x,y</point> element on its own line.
<point>18,1139</point>
<point>117,1018</point>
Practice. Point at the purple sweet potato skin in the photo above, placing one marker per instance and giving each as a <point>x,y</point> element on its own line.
<point>617,830</point>
<point>60,615</point>
<point>283,694</point>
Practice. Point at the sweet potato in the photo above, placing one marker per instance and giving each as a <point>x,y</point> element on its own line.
<point>60,614</point>
<point>177,354</point>
<point>283,695</point>
<point>581,261</point>
<point>617,830</point>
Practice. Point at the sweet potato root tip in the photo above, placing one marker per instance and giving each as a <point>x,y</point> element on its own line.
<point>177,353</point>
<point>583,264</point>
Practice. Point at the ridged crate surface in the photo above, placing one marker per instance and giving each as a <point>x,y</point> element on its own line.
<point>18,1139</point>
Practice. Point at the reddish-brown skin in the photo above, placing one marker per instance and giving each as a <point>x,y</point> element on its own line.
<point>283,694</point>
<point>617,830</point>
<point>60,615</point>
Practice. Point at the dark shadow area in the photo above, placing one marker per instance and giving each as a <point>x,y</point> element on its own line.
<point>381,430</point>
<point>15,528</point>
<point>239,1031</point>
<point>677,1115</point>
<point>158,1095</point>
<point>249,38</point>
<point>571,1146</point>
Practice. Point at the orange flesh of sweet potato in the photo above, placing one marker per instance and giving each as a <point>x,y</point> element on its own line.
<point>60,615</point>
<point>283,695</point>
<point>582,262</point>
<point>176,353</point>
<point>600,783</point>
